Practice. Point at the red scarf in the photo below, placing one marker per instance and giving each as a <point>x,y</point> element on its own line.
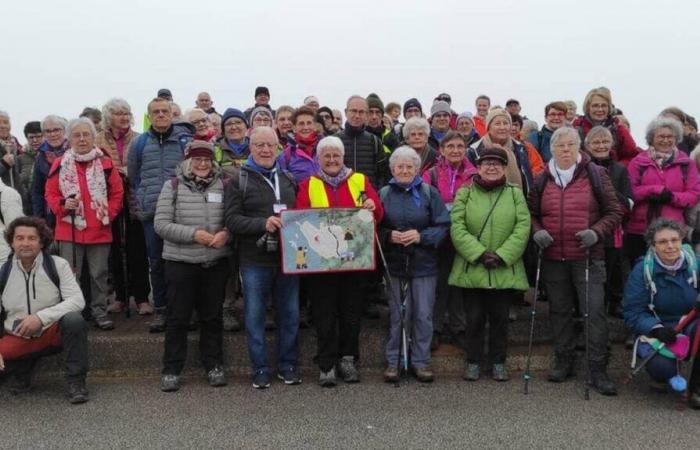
<point>308,143</point>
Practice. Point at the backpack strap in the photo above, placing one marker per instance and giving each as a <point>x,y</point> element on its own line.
<point>49,266</point>
<point>383,193</point>
<point>433,176</point>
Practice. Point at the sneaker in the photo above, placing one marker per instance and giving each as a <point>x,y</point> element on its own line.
<point>158,323</point>
<point>115,307</point>
<point>230,322</point>
<point>289,376</point>
<point>471,372</point>
<point>423,374</point>
<point>601,382</point>
<point>347,370</point>
<point>562,369</point>
<point>391,374</point>
<point>327,379</point>
<point>499,372</point>
<point>145,309</point>
<point>170,383</point>
<point>77,393</point>
<point>104,323</point>
<point>261,380</point>
<point>216,377</point>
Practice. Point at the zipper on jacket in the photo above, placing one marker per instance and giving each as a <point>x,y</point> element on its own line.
<point>26,289</point>
<point>489,272</point>
<point>34,285</point>
<point>561,222</point>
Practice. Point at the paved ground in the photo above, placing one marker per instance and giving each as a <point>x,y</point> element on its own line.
<point>450,413</point>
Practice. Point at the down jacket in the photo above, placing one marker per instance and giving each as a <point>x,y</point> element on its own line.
<point>565,212</point>
<point>364,153</point>
<point>624,147</point>
<point>179,214</point>
<point>505,232</point>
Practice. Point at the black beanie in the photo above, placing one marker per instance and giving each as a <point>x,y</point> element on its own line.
<point>373,101</point>
<point>32,127</point>
<point>411,103</point>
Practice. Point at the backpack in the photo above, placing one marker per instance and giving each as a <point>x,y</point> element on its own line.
<point>593,176</point>
<point>648,270</point>
<point>384,192</point>
<point>684,173</point>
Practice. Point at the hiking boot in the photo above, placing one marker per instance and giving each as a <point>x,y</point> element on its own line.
<point>170,383</point>
<point>391,374</point>
<point>77,392</point>
<point>471,372</point>
<point>562,369</point>
<point>158,323</point>
<point>261,380</point>
<point>145,308</point>
<point>115,307</point>
<point>289,376</point>
<point>694,400</point>
<point>423,374</point>
<point>499,372</point>
<point>104,323</point>
<point>347,370</point>
<point>22,376</point>
<point>216,377</point>
<point>600,381</point>
<point>327,379</point>
<point>660,387</point>
<point>230,322</point>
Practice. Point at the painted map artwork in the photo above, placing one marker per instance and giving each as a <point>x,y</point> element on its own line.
<point>327,240</point>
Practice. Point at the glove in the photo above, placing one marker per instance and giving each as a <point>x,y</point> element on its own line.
<point>653,199</point>
<point>543,239</point>
<point>587,237</point>
<point>490,260</point>
<point>667,335</point>
<point>665,197</point>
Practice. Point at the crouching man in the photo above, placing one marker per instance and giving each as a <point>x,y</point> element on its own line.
<point>41,306</point>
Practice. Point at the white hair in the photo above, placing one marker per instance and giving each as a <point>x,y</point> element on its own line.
<point>188,114</point>
<point>81,121</point>
<point>664,122</point>
<point>561,133</point>
<point>4,114</point>
<point>261,129</point>
<point>113,106</point>
<point>414,123</point>
<point>58,120</point>
<point>404,152</point>
<point>330,142</point>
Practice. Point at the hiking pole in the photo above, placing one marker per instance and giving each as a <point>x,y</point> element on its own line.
<point>693,356</point>
<point>533,313</point>
<point>72,238</point>
<point>587,378</point>
<point>125,266</point>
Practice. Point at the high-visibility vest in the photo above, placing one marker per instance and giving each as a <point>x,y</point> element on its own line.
<point>317,191</point>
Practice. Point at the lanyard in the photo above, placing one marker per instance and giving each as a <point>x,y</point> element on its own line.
<point>276,186</point>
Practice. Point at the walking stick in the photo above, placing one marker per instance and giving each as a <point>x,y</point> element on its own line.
<point>72,238</point>
<point>125,266</point>
<point>691,366</point>
<point>533,313</point>
<point>587,378</point>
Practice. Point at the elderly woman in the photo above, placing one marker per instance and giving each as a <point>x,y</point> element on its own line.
<point>555,118</point>
<point>115,138</point>
<point>261,116</point>
<point>490,230</point>
<point>284,124</point>
<point>664,182</point>
<point>465,125</point>
<point>415,224</point>
<point>452,171</point>
<point>655,314</point>
<point>598,145</point>
<point>598,109</point>
<point>54,130</point>
<point>336,303</point>
<point>416,132</point>
<point>85,193</point>
<point>10,149</point>
<point>202,125</point>
<point>232,149</point>
<point>190,219</point>
<point>299,155</point>
<point>574,208</point>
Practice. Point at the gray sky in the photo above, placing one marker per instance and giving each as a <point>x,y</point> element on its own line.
<point>62,55</point>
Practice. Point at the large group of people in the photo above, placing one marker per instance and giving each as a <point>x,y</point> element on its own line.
<point>470,210</point>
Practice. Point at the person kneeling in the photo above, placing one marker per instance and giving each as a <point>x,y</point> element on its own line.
<point>45,318</point>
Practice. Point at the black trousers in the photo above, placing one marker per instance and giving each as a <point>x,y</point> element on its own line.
<point>191,286</point>
<point>481,305</point>
<point>616,271</point>
<point>635,247</point>
<point>136,260</point>
<point>337,302</point>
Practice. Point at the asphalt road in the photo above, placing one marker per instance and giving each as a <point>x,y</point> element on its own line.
<point>450,413</point>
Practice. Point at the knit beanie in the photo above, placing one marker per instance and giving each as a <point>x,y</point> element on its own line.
<point>412,103</point>
<point>495,112</point>
<point>230,113</point>
<point>262,90</point>
<point>373,101</point>
<point>440,107</point>
<point>260,110</point>
<point>466,115</point>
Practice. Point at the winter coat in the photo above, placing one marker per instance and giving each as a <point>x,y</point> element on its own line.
<point>680,176</point>
<point>227,158</point>
<point>565,212</point>
<point>180,214</point>
<point>674,298</point>
<point>364,153</point>
<point>45,158</point>
<point>431,219</point>
<point>297,162</point>
<point>388,138</point>
<point>26,167</point>
<point>623,190</point>
<point>522,158</point>
<point>541,141</point>
<point>624,147</point>
<point>249,201</point>
<point>105,140</point>
<point>505,232</point>
<point>448,184</point>
<point>480,125</point>
<point>11,208</point>
<point>150,169</point>
<point>10,175</point>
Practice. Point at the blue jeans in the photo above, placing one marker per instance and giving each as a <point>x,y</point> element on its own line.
<point>259,285</point>
<point>660,368</point>
<point>154,250</point>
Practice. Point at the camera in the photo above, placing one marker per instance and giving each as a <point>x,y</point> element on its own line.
<point>269,242</point>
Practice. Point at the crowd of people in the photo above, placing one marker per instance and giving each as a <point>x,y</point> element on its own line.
<point>471,210</point>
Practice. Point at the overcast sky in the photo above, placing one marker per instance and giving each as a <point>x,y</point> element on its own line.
<point>60,56</point>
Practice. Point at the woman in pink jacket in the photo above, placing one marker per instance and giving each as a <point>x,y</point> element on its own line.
<point>664,182</point>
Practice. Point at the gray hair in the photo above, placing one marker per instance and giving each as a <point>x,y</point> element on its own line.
<point>530,125</point>
<point>112,106</point>
<point>257,130</point>
<point>354,97</point>
<point>661,224</point>
<point>562,132</point>
<point>571,104</point>
<point>81,121</point>
<point>413,123</point>
<point>664,122</point>
<point>330,142</point>
<point>404,152</point>
<point>58,120</point>
<point>595,132</point>
<point>4,114</point>
<point>188,114</point>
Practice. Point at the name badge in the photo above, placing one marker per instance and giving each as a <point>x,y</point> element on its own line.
<point>279,207</point>
<point>214,197</point>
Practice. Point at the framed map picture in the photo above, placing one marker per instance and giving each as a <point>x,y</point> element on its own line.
<point>327,240</point>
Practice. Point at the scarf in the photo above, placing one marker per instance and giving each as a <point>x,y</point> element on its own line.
<point>513,175</point>
<point>489,185</point>
<point>307,144</point>
<point>437,135</point>
<point>119,137</point>
<point>335,181</point>
<point>563,177</point>
<point>200,183</point>
<point>662,160</point>
<point>69,185</point>
<point>673,268</point>
<point>353,131</point>
<point>239,150</point>
<point>267,173</point>
<point>413,188</point>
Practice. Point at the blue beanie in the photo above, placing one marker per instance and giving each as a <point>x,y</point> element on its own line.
<point>230,113</point>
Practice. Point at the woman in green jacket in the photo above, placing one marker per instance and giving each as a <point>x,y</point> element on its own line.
<point>490,229</point>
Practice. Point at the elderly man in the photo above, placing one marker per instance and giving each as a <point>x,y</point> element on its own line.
<point>440,116</point>
<point>555,118</point>
<point>205,103</point>
<point>152,159</point>
<point>55,144</point>
<point>44,318</point>
<point>254,198</point>
<point>483,104</point>
<point>262,98</point>
<point>375,125</point>
<point>574,208</point>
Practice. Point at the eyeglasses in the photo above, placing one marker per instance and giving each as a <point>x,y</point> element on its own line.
<point>665,242</point>
<point>53,130</point>
<point>201,121</point>
<point>121,113</point>
<point>356,112</point>
<point>565,145</point>
<point>492,163</point>
<point>234,123</point>
<point>262,145</point>
<point>198,160</point>
<point>665,137</point>
<point>598,143</point>
<point>555,114</point>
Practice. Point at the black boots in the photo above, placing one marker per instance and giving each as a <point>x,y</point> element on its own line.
<point>600,381</point>
<point>562,369</point>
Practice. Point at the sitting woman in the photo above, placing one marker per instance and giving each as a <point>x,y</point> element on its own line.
<point>661,289</point>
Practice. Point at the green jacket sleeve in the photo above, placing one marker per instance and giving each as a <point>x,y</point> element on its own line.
<point>465,243</point>
<point>513,247</point>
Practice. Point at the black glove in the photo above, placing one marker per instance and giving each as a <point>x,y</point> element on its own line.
<point>653,199</point>
<point>490,260</point>
<point>667,335</point>
<point>665,197</point>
